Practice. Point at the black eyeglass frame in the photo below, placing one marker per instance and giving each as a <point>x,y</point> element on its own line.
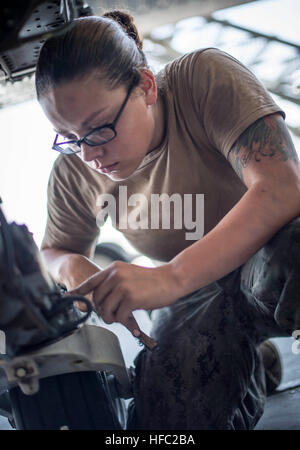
<point>112,125</point>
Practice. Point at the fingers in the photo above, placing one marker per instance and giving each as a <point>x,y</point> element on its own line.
<point>112,309</point>
<point>110,293</point>
<point>108,306</point>
<point>109,298</point>
<point>90,284</point>
<point>81,306</point>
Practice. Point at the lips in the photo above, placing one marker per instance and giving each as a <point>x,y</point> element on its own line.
<point>109,168</point>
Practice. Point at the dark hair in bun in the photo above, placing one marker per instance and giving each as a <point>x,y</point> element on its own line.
<point>109,45</point>
<point>127,22</point>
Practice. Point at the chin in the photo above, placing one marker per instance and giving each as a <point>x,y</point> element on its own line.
<point>122,173</point>
<point>119,175</point>
<point>116,177</point>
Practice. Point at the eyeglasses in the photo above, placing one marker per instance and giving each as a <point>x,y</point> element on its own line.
<point>97,136</point>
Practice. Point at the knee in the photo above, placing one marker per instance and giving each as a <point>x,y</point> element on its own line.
<point>286,242</point>
<point>272,265</point>
<point>287,313</point>
<point>272,277</point>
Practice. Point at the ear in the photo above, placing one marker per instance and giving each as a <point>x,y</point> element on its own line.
<point>148,86</point>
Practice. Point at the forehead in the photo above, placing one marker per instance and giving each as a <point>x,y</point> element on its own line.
<point>68,105</point>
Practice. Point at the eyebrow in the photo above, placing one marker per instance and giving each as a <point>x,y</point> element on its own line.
<point>92,116</point>
<point>85,123</point>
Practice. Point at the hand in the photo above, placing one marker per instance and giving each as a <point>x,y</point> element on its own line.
<point>122,288</point>
<point>76,269</point>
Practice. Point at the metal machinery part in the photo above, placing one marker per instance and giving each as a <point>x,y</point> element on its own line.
<point>33,310</point>
<point>48,340</point>
<point>89,348</point>
<point>24,27</point>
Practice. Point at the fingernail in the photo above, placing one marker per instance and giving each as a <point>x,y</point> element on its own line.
<point>136,333</point>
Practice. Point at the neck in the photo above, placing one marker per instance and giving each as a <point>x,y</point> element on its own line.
<point>159,123</point>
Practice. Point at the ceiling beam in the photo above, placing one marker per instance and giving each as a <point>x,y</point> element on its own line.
<point>149,14</point>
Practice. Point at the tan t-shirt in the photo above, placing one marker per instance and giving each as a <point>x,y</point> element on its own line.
<point>210,99</point>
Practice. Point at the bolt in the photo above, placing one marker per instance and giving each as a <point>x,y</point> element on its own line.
<point>20,372</point>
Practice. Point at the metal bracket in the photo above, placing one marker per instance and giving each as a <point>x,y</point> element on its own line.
<point>24,372</point>
<point>89,348</point>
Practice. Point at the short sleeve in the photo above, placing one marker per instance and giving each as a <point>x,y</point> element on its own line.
<point>71,222</point>
<point>228,97</point>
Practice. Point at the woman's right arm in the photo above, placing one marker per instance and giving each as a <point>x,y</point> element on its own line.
<point>68,269</point>
<point>71,269</point>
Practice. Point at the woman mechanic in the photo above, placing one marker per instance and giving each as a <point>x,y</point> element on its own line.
<point>203,125</point>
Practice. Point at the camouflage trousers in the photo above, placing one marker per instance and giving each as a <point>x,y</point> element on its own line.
<point>206,372</point>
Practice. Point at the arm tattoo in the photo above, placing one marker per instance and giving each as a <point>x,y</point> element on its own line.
<point>266,138</point>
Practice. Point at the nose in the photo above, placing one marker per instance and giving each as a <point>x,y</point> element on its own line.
<point>89,153</point>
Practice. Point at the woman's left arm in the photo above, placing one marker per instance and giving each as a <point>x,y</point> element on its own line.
<point>265,159</point>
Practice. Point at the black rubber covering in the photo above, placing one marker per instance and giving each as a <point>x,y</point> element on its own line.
<point>75,401</point>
